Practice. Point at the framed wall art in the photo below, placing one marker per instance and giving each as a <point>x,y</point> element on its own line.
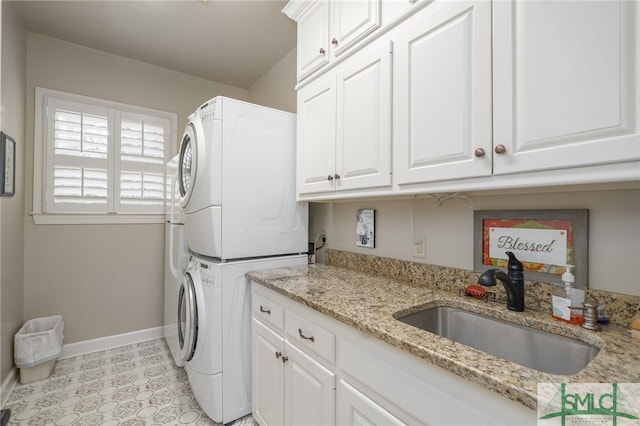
<point>543,240</point>
<point>365,228</point>
<point>7,166</point>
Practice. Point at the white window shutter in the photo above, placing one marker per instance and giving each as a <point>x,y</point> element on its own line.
<point>100,156</point>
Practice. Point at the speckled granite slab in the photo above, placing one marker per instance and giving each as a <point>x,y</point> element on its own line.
<point>621,308</point>
<point>371,303</point>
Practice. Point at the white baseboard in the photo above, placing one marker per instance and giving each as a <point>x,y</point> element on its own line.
<point>110,342</point>
<point>8,385</point>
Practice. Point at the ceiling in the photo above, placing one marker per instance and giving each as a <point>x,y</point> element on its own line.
<point>229,41</point>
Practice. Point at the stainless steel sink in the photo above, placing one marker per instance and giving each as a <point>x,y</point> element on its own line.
<point>536,349</point>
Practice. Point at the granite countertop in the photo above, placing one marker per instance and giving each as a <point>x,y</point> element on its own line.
<point>369,303</point>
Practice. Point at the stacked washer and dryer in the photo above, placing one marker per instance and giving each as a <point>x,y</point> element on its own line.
<point>236,179</point>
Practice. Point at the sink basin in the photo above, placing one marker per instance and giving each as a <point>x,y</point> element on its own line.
<point>536,349</point>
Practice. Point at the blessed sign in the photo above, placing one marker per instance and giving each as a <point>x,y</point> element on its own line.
<point>547,246</point>
<point>543,240</point>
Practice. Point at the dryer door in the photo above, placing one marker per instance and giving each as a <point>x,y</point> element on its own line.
<point>187,165</point>
<point>187,317</point>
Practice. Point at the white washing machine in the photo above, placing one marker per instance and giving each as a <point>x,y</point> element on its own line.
<point>214,331</point>
<point>237,182</point>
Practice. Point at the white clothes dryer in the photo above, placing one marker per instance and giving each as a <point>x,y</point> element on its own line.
<point>214,331</point>
<point>237,182</point>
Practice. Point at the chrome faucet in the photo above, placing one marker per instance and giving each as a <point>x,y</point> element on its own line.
<point>513,282</point>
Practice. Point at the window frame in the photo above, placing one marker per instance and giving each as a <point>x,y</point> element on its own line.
<point>42,156</point>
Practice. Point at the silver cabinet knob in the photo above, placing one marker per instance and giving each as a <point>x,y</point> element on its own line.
<point>322,51</point>
<point>500,149</point>
<point>336,176</point>
<point>334,41</point>
<point>479,153</point>
<point>329,177</point>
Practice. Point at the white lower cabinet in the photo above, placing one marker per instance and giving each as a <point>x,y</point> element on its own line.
<point>289,386</point>
<point>310,369</point>
<point>309,390</point>
<point>356,409</point>
<point>268,375</point>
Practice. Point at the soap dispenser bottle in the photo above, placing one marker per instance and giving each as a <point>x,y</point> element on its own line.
<point>564,297</point>
<point>561,296</point>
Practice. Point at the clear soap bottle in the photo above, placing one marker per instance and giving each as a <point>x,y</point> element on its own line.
<point>564,296</point>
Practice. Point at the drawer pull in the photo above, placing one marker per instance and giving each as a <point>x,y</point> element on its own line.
<point>267,311</point>
<point>278,354</point>
<point>285,359</point>
<point>305,337</point>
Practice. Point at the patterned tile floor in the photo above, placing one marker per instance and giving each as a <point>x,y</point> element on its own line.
<point>131,385</point>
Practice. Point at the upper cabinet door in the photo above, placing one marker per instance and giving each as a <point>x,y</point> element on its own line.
<point>313,38</point>
<point>316,148</point>
<point>565,84</point>
<point>442,93</point>
<point>363,122</point>
<point>351,21</point>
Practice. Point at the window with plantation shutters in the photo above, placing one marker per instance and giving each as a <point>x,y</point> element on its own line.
<point>98,157</point>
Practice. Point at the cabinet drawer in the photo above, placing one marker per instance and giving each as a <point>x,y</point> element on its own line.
<point>310,335</point>
<point>267,311</point>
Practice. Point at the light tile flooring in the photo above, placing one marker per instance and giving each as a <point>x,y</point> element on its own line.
<point>131,385</point>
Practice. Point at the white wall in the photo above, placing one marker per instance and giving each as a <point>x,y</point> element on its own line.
<point>614,230</point>
<point>103,279</point>
<point>12,208</point>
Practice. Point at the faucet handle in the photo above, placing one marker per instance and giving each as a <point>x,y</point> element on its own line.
<point>590,315</point>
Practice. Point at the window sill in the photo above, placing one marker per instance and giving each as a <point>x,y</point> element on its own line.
<point>95,219</point>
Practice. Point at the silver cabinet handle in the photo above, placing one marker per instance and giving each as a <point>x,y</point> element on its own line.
<point>266,311</point>
<point>278,354</point>
<point>322,51</point>
<point>305,337</point>
<point>479,153</point>
<point>329,177</point>
<point>336,176</point>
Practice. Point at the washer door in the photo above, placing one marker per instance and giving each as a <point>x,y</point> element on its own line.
<point>188,164</point>
<point>187,317</point>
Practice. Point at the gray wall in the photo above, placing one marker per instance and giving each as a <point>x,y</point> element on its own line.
<point>614,230</point>
<point>12,208</point>
<point>276,88</point>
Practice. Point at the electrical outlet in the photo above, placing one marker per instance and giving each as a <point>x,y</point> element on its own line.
<point>419,246</point>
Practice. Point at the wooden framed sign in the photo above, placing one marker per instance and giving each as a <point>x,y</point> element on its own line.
<point>543,240</point>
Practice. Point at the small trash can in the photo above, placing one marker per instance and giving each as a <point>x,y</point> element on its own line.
<point>37,345</point>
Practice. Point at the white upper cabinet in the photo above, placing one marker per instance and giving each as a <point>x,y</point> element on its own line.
<point>565,84</point>
<point>344,125</point>
<point>476,95</point>
<point>351,21</point>
<point>326,29</point>
<point>313,38</point>
<point>442,93</point>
